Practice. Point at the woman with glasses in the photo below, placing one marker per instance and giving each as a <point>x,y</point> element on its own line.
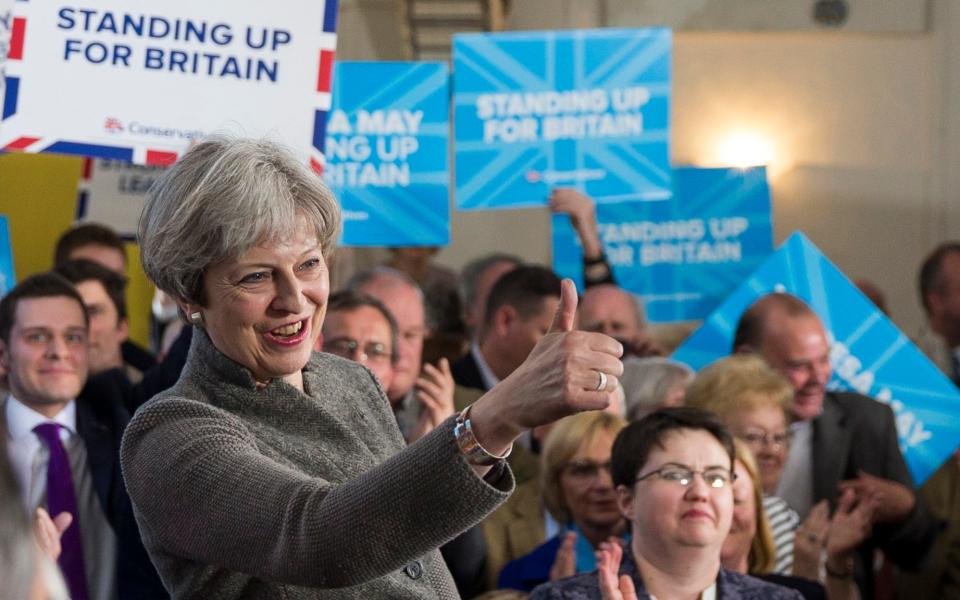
<point>578,493</point>
<point>749,545</point>
<point>673,472</point>
<point>752,399</point>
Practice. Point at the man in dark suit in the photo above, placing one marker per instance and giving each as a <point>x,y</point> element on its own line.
<point>65,438</point>
<point>519,311</point>
<point>840,440</point>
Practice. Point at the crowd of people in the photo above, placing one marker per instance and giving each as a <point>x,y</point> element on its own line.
<point>426,434</point>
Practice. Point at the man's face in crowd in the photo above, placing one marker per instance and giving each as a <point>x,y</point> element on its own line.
<point>46,357</point>
<point>406,306</point>
<point>361,335</point>
<point>107,330</point>
<point>609,310</point>
<point>518,334</point>
<point>797,347</point>
<point>945,300</point>
<point>106,256</point>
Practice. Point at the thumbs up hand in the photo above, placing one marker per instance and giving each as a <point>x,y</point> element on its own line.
<point>567,372</point>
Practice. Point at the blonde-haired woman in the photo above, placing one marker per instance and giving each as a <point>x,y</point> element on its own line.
<point>749,547</point>
<point>578,492</point>
<point>752,399</point>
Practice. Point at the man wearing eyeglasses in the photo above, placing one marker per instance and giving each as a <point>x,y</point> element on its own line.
<point>361,329</point>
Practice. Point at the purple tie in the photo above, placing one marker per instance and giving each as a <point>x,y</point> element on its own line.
<point>62,498</point>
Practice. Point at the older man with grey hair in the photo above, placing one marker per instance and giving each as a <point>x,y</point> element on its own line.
<point>609,309</point>
<point>422,395</point>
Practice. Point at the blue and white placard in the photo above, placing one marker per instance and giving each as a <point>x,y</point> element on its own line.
<point>582,109</point>
<point>685,254</point>
<point>868,353</point>
<point>8,277</point>
<point>386,148</point>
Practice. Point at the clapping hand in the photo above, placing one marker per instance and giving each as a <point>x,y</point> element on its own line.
<point>612,585</point>
<point>48,531</point>
<point>894,500</point>
<point>435,394</point>
<point>809,540</point>
<point>565,563</point>
<point>851,523</point>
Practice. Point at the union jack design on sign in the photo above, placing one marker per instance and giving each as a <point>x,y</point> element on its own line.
<point>154,83</point>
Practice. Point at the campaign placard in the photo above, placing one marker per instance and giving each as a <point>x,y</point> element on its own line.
<point>8,277</point>
<point>868,353</point>
<point>684,255</point>
<point>587,109</point>
<point>112,193</point>
<point>386,151</point>
<point>140,81</point>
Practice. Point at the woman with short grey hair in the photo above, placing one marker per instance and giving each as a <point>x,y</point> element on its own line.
<point>270,471</point>
<point>651,383</point>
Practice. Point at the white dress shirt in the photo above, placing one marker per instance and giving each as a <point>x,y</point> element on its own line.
<point>486,374</point>
<point>29,457</point>
<point>796,481</point>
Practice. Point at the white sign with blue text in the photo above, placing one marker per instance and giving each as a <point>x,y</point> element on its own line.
<point>139,81</point>
<point>683,255</point>
<point>582,109</point>
<point>868,353</point>
<point>386,149</point>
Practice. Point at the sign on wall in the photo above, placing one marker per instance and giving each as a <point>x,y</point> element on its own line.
<point>868,353</point>
<point>386,149</point>
<point>684,255</point>
<point>116,80</point>
<point>581,109</point>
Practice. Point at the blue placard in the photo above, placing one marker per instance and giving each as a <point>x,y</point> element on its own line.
<point>869,354</point>
<point>582,109</point>
<point>682,255</point>
<point>386,150</point>
<point>7,276</point>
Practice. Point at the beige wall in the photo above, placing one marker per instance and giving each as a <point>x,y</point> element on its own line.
<point>864,127</point>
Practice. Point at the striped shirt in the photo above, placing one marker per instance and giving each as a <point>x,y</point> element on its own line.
<point>783,523</point>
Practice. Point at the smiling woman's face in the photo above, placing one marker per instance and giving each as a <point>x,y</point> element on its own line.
<point>264,310</point>
<point>667,515</point>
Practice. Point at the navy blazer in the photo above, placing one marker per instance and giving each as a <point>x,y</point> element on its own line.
<point>529,571</point>
<point>101,419</point>
<point>730,586</point>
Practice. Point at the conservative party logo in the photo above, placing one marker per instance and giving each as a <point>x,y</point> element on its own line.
<point>113,125</point>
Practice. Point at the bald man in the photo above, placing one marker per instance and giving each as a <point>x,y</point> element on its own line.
<point>608,309</point>
<point>841,440</point>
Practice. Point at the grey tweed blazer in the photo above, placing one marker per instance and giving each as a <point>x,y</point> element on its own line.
<point>277,493</point>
